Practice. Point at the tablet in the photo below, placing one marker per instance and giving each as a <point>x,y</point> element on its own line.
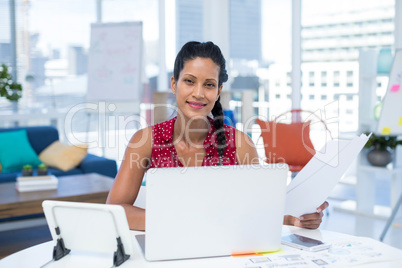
<point>88,227</point>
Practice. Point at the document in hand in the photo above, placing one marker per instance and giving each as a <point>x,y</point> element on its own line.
<point>314,183</point>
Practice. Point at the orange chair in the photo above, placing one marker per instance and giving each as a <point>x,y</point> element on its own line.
<point>289,143</point>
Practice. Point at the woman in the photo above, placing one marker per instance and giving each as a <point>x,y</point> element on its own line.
<point>191,138</point>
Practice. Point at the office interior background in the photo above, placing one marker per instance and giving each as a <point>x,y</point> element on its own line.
<point>53,39</point>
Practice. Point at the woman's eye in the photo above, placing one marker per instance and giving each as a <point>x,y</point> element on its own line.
<point>188,81</point>
<point>211,85</point>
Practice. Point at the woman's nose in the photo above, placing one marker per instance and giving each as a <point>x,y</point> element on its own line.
<point>198,91</point>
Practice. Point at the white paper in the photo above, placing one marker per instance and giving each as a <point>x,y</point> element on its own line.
<point>343,253</point>
<point>314,183</point>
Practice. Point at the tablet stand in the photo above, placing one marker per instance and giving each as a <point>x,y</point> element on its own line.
<point>119,255</point>
<point>60,250</point>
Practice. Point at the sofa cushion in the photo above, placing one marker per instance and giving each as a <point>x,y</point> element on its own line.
<point>63,156</point>
<point>41,137</point>
<point>60,173</point>
<point>38,136</point>
<point>16,151</point>
<point>101,165</point>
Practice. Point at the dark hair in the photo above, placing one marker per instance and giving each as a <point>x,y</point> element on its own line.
<point>209,50</point>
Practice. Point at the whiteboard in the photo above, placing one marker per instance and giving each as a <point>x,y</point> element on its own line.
<point>390,122</point>
<point>114,64</point>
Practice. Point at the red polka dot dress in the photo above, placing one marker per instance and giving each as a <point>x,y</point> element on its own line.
<point>164,153</point>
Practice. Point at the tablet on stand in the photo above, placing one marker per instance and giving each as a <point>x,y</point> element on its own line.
<point>88,227</point>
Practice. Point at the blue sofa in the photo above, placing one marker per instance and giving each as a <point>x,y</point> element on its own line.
<point>42,136</point>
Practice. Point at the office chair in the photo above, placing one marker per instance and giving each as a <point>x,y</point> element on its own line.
<point>289,143</point>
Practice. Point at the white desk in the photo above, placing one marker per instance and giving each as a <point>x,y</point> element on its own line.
<point>37,256</point>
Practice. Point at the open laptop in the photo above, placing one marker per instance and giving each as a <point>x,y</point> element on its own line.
<point>199,212</point>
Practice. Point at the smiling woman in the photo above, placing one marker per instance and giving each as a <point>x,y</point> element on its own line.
<point>192,138</point>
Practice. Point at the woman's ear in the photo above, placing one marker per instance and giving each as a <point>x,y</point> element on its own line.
<point>219,92</point>
<point>173,85</point>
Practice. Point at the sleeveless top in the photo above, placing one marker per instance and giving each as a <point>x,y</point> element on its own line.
<point>164,153</point>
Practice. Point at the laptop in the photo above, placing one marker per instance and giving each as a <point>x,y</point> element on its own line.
<point>196,212</point>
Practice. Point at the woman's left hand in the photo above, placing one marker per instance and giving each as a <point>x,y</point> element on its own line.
<point>313,220</point>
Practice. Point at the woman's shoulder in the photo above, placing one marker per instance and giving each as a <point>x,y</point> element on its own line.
<point>142,134</point>
<point>242,137</point>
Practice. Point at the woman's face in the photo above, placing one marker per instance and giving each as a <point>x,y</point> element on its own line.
<point>197,88</point>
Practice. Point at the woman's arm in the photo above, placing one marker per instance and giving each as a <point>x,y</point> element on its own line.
<point>129,178</point>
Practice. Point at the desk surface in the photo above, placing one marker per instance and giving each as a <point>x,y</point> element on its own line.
<point>386,256</point>
<point>92,188</point>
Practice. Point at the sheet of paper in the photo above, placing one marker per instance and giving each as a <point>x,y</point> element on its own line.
<point>312,186</point>
<point>343,253</point>
<point>327,154</point>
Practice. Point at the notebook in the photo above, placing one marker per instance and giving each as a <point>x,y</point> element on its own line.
<point>195,212</point>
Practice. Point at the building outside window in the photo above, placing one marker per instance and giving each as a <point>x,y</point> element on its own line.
<point>311,79</point>
<point>336,78</point>
<point>332,35</point>
<point>349,78</point>
<point>323,78</point>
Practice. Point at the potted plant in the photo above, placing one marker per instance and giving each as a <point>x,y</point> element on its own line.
<point>8,89</point>
<point>42,170</point>
<point>381,153</point>
<point>27,170</point>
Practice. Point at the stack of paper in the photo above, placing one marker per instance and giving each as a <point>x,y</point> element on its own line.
<point>36,183</point>
<point>314,183</point>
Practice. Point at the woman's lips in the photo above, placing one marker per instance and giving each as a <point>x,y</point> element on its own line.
<point>196,105</point>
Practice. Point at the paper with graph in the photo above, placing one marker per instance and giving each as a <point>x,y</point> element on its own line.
<point>314,183</point>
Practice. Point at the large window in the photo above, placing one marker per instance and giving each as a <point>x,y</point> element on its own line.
<point>52,48</point>
<point>276,52</point>
<point>4,32</point>
<point>333,33</point>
